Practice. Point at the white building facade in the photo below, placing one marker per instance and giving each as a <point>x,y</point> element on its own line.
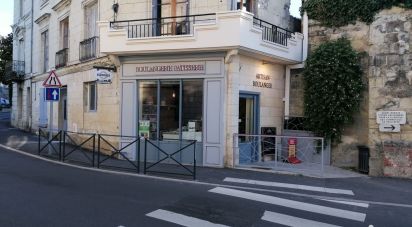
<point>181,70</point>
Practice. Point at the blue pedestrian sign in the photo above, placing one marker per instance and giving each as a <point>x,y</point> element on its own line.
<point>52,94</point>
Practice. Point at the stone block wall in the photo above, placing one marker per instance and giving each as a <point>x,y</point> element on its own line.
<point>387,68</point>
<point>397,160</point>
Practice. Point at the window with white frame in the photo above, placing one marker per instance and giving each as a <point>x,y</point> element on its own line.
<point>45,50</point>
<point>90,96</point>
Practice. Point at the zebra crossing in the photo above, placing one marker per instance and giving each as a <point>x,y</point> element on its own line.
<point>273,208</point>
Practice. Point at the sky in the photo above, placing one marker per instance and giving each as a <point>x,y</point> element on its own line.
<point>294,8</point>
<point>6,16</point>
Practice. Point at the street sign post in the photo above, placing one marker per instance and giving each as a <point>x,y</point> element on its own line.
<point>52,94</point>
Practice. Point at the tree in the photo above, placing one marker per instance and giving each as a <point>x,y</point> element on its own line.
<point>333,87</point>
<point>6,55</point>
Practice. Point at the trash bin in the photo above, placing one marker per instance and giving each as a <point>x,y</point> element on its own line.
<point>363,164</point>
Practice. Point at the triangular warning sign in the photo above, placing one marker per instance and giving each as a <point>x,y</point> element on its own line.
<point>52,80</point>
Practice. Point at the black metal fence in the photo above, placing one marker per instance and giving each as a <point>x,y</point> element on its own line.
<point>273,33</point>
<point>109,151</point>
<point>62,57</point>
<point>110,155</point>
<point>88,48</point>
<point>166,26</point>
<point>49,149</point>
<point>166,155</point>
<point>82,149</point>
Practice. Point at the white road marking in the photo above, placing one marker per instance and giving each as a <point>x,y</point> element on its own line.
<point>291,204</point>
<point>181,219</point>
<point>365,205</point>
<point>293,186</point>
<point>292,221</point>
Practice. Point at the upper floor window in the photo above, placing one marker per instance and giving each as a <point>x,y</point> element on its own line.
<point>64,33</point>
<point>45,50</point>
<point>21,3</point>
<point>90,14</point>
<point>247,5</point>
<point>20,53</point>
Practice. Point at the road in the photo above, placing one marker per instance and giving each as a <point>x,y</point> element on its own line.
<point>36,192</point>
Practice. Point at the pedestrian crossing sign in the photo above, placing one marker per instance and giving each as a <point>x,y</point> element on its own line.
<point>52,80</point>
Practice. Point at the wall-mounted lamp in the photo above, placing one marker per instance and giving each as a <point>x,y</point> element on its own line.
<point>115,8</point>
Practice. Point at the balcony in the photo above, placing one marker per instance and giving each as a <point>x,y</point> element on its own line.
<point>14,71</point>
<point>62,57</point>
<point>206,32</point>
<point>88,49</point>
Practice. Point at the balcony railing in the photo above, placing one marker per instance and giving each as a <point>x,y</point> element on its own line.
<point>15,71</point>
<point>88,48</point>
<point>167,26</point>
<point>62,57</point>
<point>273,33</point>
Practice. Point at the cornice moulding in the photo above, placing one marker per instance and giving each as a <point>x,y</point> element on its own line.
<point>43,17</point>
<point>61,4</point>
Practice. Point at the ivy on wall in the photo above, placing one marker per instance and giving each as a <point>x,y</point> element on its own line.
<point>333,87</point>
<point>337,13</point>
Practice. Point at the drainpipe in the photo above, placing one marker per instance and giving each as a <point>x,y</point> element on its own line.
<point>31,40</point>
<point>31,66</point>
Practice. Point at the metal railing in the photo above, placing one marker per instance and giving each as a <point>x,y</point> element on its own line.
<point>83,143</point>
<point>107,152</point>
<point>117,152</point>
<point>273,33</point>
<point>52,151</point>
<point>170,156</point>
<point>299,153</point>
<point>14,71</point>
<point>166,26</point>
<point>88,48</point>
<point>62,57</point>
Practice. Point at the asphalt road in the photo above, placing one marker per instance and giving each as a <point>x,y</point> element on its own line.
<point>35,192</point>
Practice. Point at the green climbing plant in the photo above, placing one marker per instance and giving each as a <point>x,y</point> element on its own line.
<point>337,13</point>
<point>333,87</point>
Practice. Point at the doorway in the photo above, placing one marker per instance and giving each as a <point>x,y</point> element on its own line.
<point>248,126</point>
<point>63,109</point>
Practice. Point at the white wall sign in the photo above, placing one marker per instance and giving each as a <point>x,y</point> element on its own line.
<point>104,76</point>
<point>389,127</point>
<point>391,117</point>
<point>165,68</point>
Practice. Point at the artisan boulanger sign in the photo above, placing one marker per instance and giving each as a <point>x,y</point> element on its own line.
<point>167,68</point>
<point>262,81</point>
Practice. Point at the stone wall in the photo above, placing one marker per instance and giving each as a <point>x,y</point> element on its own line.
<point>387,68</point>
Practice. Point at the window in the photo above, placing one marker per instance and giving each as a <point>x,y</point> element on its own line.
<point>20,56</point>
<point>21,8</point>
<point>90,101</point>
<point>90,20</point>
<point>45,49</point>
<point>171,109</point>
<point>247,5</point>
<point>64,33</point>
